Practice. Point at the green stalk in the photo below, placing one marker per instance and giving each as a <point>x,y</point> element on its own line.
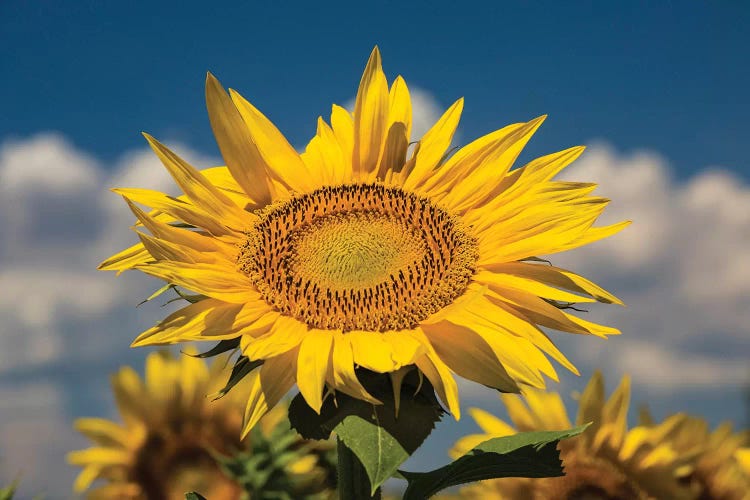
<point>353,481</point>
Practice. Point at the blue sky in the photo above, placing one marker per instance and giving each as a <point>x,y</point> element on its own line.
<point>659,75</point>
<point>658,92</point>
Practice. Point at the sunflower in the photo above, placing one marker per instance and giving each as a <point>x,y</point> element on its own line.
<point>720,466</point>
<point>606,462</point>
<point>174,439</point>
<point>364,252</point>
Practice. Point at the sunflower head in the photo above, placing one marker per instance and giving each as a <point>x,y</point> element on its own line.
<point>718,468</point>
<point>608,461</point>
<point>363,253</point>
<point>174,439</point>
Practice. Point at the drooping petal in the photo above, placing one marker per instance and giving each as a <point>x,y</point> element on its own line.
<point>343,376</point>
<point>312,365</point>
<point>267,386</point>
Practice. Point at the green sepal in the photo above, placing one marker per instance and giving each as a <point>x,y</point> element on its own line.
<point>220,348</point>
<point>379,439</point>
<point>526,454</point>
<point>241,369</point>
<point>156,293</point>
<point>194,496</point>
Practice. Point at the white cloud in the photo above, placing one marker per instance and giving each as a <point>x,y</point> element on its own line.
<point>681,268</point>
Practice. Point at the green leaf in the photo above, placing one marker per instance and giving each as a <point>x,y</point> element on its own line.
<point>379,439</point>
<point>527,454</point>
<point>194,496</point>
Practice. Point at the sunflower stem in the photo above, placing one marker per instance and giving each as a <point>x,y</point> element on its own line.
<point>353,481</point>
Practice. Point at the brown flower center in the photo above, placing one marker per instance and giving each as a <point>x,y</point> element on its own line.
<point>358,257</point>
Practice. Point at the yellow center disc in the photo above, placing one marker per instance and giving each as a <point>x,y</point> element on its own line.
<point>358,257</point>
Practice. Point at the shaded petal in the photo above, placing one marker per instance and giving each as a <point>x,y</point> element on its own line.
<point>469,355</point>
<point>180,210</point>
<point>399,129</point>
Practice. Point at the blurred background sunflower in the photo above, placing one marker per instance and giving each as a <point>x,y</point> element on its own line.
<point>174,439</point>
<point>608,461</point>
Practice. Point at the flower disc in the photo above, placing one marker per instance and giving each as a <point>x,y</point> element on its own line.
<point>359,257</point>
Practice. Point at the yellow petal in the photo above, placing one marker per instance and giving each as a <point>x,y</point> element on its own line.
<point>284,334</point>
<point>591,403</point>
<point>370,117</point>
<point>342,124</point>
<point>126,259</point>
<point>556,276</point>
<point>198,189</point>
<point>312,365</point>
<point>490,424</point>
<point>398,130</point>
<point>371,351</point>
<point>438,374</point>
<point>178,209</point>
<point>481,179</point>
<point>219,282</point>
<point>99,455</point>
<point>243,159</point>
<point>432,147</point>
<point>468,354</point>
<point>281,158</point>
<point>208,319</point>
<point>343,374</point>
<point>87,476</point>
<point>498,281</point>
<point>103,432</point>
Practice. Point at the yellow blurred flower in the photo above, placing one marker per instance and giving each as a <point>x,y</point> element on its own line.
<point>607,461</point>
<point>364,252</point>
<point>720,465</point>
<point>174,439</point>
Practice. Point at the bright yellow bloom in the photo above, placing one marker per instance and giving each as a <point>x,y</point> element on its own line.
<point>720,464</point>
<point>362,252</point>
<point>607,461</point>
<point>172,434</point>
